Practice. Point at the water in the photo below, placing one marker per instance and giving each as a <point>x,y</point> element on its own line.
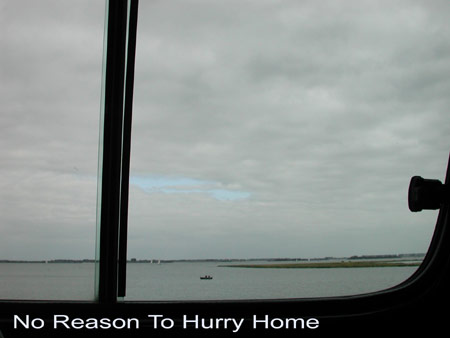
<point>56,281</point>
<point>181,281</point>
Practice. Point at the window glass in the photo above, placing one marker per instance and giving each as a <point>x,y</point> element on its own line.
<point>283,132</point>
<point>50,86</point>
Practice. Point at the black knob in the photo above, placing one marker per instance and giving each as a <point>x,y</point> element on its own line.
<point>425,194</point>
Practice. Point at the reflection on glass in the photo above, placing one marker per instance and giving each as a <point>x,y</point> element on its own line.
<point>282,130</point>
<point>50,82</point>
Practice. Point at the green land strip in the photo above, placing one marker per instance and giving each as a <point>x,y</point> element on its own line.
<point>324,265</point>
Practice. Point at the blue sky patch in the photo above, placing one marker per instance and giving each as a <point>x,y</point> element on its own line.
<point>185,185</point>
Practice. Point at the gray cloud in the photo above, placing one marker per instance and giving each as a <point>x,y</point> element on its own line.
<point>50,87</point>
<point>321,112</point>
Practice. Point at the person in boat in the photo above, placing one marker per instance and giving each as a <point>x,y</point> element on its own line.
<point>206,277</point>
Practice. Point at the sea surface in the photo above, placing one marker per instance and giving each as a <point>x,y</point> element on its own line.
<point>181,281</point>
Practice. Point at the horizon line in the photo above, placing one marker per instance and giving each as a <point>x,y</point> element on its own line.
<point>132,260</point>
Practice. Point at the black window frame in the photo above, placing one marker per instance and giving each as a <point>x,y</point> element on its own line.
<point>415,304</point>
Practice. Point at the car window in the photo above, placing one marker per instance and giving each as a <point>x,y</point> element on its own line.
<point>269,134</point>
<point>51,66</point>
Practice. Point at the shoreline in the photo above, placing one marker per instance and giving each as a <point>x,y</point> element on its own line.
<point>326,265</point>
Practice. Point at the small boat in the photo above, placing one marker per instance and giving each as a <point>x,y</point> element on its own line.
<point>206,277</point>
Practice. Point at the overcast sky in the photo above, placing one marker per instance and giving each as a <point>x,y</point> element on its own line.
<point>260,129</point>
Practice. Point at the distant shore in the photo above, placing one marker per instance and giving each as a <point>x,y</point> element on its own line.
<point>410,259</point>
<point>324,265</point>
